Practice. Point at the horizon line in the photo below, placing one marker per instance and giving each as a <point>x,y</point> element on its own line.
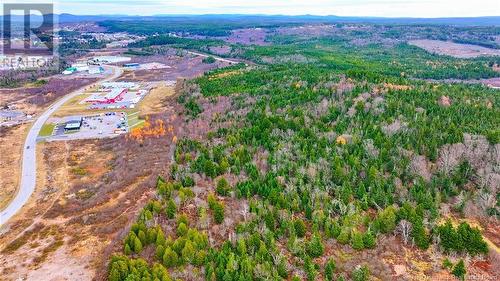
<point>260,15</point>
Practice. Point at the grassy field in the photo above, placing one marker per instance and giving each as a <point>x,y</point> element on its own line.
<point>72,107</point>
<point>47,130</point>
<point>134,120</point>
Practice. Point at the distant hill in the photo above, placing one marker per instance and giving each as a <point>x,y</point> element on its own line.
<point>463,21</point>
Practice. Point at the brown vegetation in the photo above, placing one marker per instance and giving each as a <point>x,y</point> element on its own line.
<point>90,190</point>
<point>49,92</point>
<point>11,150</point>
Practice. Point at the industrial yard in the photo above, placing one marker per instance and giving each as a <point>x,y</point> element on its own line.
<point>105,110</point>
<point>112,95</point>
<point>102,125</point>
<point>101,111</point>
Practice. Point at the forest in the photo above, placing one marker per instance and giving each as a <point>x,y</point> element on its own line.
<point>480,33</point>
<point>338,54</point>
<point>326,151</point>
<point>206,25</point>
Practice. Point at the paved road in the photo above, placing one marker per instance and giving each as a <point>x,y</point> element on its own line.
<point>215,57</point>
<point>28,176</point>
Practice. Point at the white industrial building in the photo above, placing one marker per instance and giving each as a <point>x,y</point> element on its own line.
<point>79,67</point>
<point>109,59</point>
<point>114,85</point>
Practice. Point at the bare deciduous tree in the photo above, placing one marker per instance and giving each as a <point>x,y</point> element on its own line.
<point>370,148</point>
<point>404,229</point>
<point>394,127</point>
<point>486,201</point>
<point>450,156</point>
<point>344,86</point>
<point>418,166</point>
<point>476,149</point>
<point>244,210</point>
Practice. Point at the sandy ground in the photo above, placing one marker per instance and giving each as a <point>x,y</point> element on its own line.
<point>454,49</point>
<point>38,257</point>
<point>12,262</point>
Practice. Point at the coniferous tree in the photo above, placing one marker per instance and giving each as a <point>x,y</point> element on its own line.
<point>182,229</point>
<point>369,240</point>
<point>315,247</point>
<point>420,235</point>
<point>171,209</point>
<point>151,235</point>
<point>199,258</point>
<point>142,236</point>
<point>182,218</point>
<point>344,235</point>
<point>300,227</point>
<point>448,236</point>
<point>330,270</point>
<point>188,252</point>
<point>361,274</point>
<point>357,240</point>
<point>218,212</point>
<point>310,269</point>
<point>170,258</point>
<point>160,250</point>
<point>459,270</point>
<point>114,274</point>
<point>387,220</point>
<point>160,237</point>
<point>137,245</point>
<point>127,249</point>
<point>222,187</point>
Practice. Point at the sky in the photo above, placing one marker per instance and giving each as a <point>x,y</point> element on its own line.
<point>377,8</point>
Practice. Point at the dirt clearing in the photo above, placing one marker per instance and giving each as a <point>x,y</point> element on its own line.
<point>454,49</point>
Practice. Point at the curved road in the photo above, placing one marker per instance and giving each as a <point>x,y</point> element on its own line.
<point>217,58</point>
<point>28,176</point>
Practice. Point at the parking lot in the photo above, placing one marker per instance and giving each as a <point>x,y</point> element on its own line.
<point>102,125</point>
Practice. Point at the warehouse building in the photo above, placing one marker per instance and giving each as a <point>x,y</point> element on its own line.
<point>73,125</point>
<point>115,95</point>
